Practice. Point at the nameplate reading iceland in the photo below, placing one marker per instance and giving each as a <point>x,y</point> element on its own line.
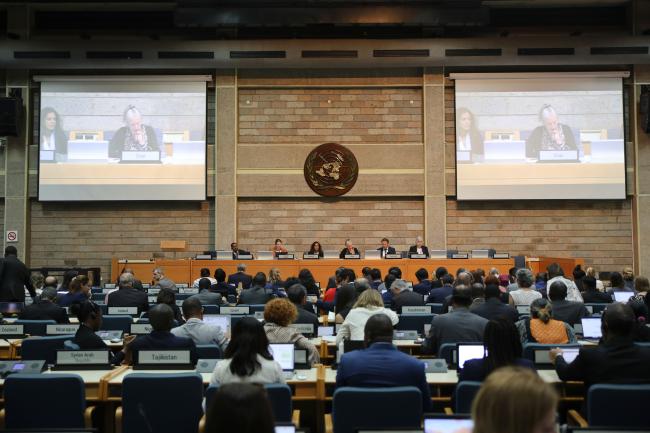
<point>61,329</point>
<point>141,328</point>
<point>11,330</point>
<point>234,310</point>
<point>122,310</point>
<point>419,309</point>
<point>164,357</point>
<point>82,357</point>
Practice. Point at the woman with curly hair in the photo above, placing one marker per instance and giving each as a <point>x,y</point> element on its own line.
<point>279,313</point>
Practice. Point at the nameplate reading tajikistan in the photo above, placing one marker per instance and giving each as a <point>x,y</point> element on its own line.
<point>164,357</point>
<point>82,357</point>
<point>234,310</point>
<point>11,330</point>
<point>61,329</point>
<point>122,310</point>
<point>303,328</point>
<point>416,309</point>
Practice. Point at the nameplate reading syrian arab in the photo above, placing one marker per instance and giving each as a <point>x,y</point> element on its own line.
<point>153,291</point>
<point>61,329</point>
<point>463,156</point>
<point>286,256</point>
<point>303,328</point>
<point>141,328</point>
<point>416,309</point>
<point>310,256</point>
<point>122,310</point>
<point>393,256</point>
<point>460,256</point>
<point>501,256</point>
<point>164,357</point>
<point>418,256</point>
<point>11,330</point>
<point>82,357</point>
<point>558,155</point>
<point>140,156</point>
<point>352,256</point>
<point>189,291</point>
<point>234,310</point>
<point>245,257</point>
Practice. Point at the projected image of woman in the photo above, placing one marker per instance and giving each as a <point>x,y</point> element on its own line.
<point>135,136</point>
<point>52,135</point>
<point>552,135</point>
<point>468,137</point>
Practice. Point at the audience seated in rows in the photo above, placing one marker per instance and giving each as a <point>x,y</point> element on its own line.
<point>381,364</point>
<point>241,277</point>
<point>345,299</point>
<point>591,294</point>
<point>297,294</point>
<point>45,308</point>
<point>367,305</point>
<point>127,296</point>
<point>437,295</point>
<point>556,273</point>
<point>89,315</point>
<point>493,308</point>
<point>79,292</point>
<point>307,280</point>
<point>257,293</point>
<point>197,330</point>
<point>168,297</point>
<point>160,281</point>
<point>206,296</point>
<point>570,312</point>
<point>221,287</point>
<point>404,296</point>
<point>423,287</point>
<point>278,315</point>
<point>618,284</point>
<point>205,273</point>
<point>247,358</point>
<point>541,328</point>
<point>525,292</point>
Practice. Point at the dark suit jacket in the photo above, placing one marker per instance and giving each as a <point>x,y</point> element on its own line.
<point>383,365</point>
<point>163,340</point>
<point>423,287</point>
<point>305,316</point>
<point>255,295</point>
<point>116,145</point>
<point>86,339</point>
<point>14,277</point>
<point>414,249</point>
<point>438,295</point>
<point>240,277</point>
<point>238,253</point>
<point>44,310</point>
<point>616,361</point>
<point>391,250</point>
<point>129,298</point>
<point>569,311</point>
<point>224,289</point>
<point>457,326</point>
<point>493,308</point>
<point>406,298</point>
<point>344,251</point>
<point>596,297</point>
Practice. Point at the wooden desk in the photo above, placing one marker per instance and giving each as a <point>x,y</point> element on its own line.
<point>5,349</point>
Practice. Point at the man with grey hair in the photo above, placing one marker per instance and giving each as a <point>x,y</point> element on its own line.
<point>361,284</point>
<point>551,135</point>
<point>160,281</point>
<point>240,277</point>
<point>419,247</point>
<point>45,308</point>
<point>134,136</point>
<point>526,292</point>
<point>127,296</point>
<point>403,295</point>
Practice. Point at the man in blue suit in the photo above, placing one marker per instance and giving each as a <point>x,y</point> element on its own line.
<point>161,318</point>
<point>240,277</point>
<point>381,364</point>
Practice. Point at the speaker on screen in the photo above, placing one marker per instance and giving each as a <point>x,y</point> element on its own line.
<point>9,116</point>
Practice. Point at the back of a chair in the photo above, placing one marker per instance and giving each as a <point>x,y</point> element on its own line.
<point>43,347</point>
<point>465,393</point>
<point>35,327</point>
<point>161,403</point>
<point>208,351</point>
<point>611,405</point>
<point>447,351</point>
<point>253,308</point>
<point>209,395</point>
<point>39,401</point>
<point>279,397</point>
<point>373,408</point>
<point>413,322</point>
<point>117,323</point>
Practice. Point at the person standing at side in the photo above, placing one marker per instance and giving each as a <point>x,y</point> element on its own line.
<point>14,278</point>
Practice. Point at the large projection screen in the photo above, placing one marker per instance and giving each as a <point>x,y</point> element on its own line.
<point>539,136</point>
<point>122,138</point>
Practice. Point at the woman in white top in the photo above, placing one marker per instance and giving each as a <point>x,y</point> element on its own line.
<point>591,272</point>
<point>369,303</point>
<point>526,293</point>
<point>247,357</point>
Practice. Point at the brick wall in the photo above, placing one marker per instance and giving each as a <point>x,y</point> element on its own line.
<point>598,231</point>
<point>90,234</point>
<point>300,222</point>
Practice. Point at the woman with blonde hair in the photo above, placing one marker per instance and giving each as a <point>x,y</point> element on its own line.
<point>515,400</point>
<point>591,272</point>
<point>542,328</point>
<point>368,304</point>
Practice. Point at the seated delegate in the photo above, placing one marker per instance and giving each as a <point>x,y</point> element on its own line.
<point>551,135</point>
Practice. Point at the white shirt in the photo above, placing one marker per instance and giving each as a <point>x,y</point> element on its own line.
<point>464,144</point>
<point>48,143</point>
<point>269,372</point>
<point>572,292</point>
<point>525,296</point>
<point>355,322</point>
<point>195,284</point>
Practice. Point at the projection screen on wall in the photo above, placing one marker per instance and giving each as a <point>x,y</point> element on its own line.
<point>122,138</point>
<point>539,136</point>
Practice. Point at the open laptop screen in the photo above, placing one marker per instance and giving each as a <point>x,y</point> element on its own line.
<point>283,354</point>
<point>448,425</point>
<point>469,351</point>
<point>222,321</point>
<point>570,354</point>
<point>591,327</point>
<point>623,296</point>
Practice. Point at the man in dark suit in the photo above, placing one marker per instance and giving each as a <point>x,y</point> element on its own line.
<point>439,294</point>
<point>436,278</point>
<point>419,247</point>
<point>161,318</point>
<point>45,308</point>
<point>567,311</point>
<point>240,277</point>
<point>404,296</point>
<point>592,295</point>
<point>127,296</point>
<point>381,364</point>
<point>493,308</point>
<point>258,293</point>
<point>14,277</point>
<point>236,252</point>
<point>385,248</point>
<point>348,250</point>
<point>615,360</point>
<point>423,287</point>
<point>297,294</point>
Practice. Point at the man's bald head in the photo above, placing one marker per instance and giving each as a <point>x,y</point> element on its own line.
<point>618,321</point>
<point>378,328</point>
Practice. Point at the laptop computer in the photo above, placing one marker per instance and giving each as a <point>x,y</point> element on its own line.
<point>88,150</point>
<point>623,297</point>
<point>591,328</point>
<point>608,151</point>
<point>465,352</point>
<point>330,254</point>
<point>283,354</point>
<point>264,255</point>
<point>448,423</point>
<point>570,353</point>
<point>188,152</point>
<point>372,254</point>
<point>219,320</point>
<point>301,359</point>
<point>504,150</point>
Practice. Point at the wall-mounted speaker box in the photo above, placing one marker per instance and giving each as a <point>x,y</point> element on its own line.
<point>9,116</point>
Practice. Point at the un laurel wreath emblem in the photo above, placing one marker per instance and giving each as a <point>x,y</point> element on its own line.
<point>331,170</point>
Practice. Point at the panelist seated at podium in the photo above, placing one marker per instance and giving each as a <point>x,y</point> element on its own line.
<point>551,135</point>
<point>316,248</point>
<point>278,248</point>
<point>134,136</point>
<point>236,252</point>
<point>385,248</point>
<point>349,249</point>
<point>419,247</point>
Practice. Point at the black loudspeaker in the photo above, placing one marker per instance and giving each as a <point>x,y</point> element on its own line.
<point>10,109</point>
<point>644,109</point>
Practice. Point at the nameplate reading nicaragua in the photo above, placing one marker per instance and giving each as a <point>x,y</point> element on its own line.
<point>61,329</point>
<point>164,357</point>
<point>82,357</point>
